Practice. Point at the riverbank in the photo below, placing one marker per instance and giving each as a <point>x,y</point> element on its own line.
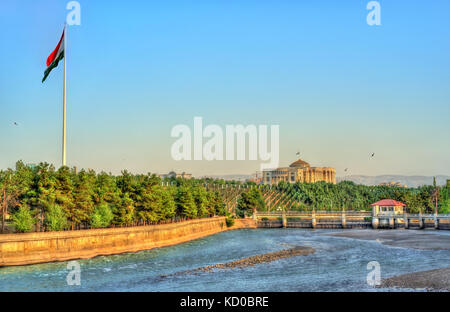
<point>32,248</point>
<point>435,280</point>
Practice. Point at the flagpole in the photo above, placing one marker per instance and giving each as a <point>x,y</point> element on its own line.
<point>64,102</point>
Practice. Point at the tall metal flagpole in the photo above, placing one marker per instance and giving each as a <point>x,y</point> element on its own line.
<point>64,105</point>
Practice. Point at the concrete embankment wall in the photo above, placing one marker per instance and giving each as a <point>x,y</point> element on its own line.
<point>31,248</point>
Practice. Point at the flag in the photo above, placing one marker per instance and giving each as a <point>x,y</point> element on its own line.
<point>54,58</point>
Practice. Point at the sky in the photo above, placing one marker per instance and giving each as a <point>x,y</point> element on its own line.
<point>338,88</point>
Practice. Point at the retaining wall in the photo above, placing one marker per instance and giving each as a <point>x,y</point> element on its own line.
<point>31,248</point>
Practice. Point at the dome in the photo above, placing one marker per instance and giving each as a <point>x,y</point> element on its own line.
<point>299,163</point>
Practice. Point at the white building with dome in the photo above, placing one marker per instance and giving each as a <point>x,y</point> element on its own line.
<point>299,171</point>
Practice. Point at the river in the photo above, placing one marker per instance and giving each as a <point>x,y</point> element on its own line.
<point>338,264</point>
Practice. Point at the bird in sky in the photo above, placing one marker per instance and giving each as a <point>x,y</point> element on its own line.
<point>15,123</point>
<point>346,169</point>
<point>373,154</point>
<point>298,154</point>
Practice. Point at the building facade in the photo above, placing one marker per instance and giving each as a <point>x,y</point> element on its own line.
<point>299,171</point>
<point>388,207</point>
<point>173,174</point>
<point>392,183</point>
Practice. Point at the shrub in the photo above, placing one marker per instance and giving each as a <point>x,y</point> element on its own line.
<point>229,221</point>
<point>56,219</point>
<point>22,220</point>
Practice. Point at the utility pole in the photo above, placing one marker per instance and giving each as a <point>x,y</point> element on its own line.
<point>64,100</point>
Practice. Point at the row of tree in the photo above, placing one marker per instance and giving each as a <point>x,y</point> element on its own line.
<point>350,196</point>
<point>41,198</point>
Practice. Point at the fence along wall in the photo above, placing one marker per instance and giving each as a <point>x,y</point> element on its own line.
<point>316,219</point>
<point>31,248</point>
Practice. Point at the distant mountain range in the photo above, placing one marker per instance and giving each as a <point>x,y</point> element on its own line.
<point>410,181</point>
<point>230,177</point>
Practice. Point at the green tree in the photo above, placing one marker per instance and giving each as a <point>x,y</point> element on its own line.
<point>124,213</point>
<point>9,195</point>
<point>201,201</point>
<point>169,208</point>
<point>185,203</point>
<point>249,202</point>
<point>22,182</point>
<point>106,190</point>
<point>414,203</point>
<point>83,203</point>
<point>44,185</point>
<point>64,193</point>
<point>148,198</point>
<point>216,204</point>
<point>445,199</point>
<point>102,216</point>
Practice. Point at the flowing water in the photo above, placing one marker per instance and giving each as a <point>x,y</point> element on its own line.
<point>339,264</point>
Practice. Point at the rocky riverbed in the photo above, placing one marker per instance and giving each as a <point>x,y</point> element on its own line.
<point>254,260</point>
<point>435,280</point>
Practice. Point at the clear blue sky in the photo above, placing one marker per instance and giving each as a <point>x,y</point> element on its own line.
<point>338,88</point>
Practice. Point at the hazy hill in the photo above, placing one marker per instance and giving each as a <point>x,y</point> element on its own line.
<point>231,177</point>
<point>410,181</point>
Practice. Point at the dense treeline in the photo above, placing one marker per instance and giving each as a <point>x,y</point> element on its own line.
<point>41,198</point>
<point>350,196</point>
